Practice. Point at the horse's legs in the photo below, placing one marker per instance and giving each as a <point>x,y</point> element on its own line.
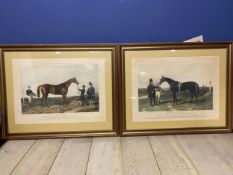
<point>174,98</point>
<point>63,96</point>
<point>64,99</point>
<point>44,97</point>
<point>46,100</point>
<point>159,97</point>
<point>42,101</point>
<point>191,100</point>
<point>195,97</point>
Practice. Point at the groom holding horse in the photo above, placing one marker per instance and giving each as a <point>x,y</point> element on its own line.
<point>151,92</point>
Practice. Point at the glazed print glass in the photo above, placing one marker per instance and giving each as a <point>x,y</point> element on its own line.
<point>176,87</point>
<point>66,91</point>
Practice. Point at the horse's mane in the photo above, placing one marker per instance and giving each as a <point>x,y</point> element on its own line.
<point>66,81</point>
<point>169,79</point>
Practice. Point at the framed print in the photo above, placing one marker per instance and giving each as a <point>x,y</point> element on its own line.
<point>59,91</point>
<point>176,88</point>
<point>0,125</point>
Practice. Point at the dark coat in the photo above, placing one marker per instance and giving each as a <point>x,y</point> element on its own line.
<point>82,95</point>
<point>29,92</point>
<point>91,92</point>
<point>151,90</point>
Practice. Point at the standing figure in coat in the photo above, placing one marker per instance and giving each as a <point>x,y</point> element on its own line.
<point>151,92</point>
<point>91,93</point>
<point>31,94</point>
<point>82,95</point>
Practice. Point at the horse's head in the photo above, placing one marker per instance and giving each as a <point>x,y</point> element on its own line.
<point>74,80</point>
<point>162,79</point>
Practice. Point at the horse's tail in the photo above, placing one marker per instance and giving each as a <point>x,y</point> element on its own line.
<point>38,91</point>
<point>197,89</point>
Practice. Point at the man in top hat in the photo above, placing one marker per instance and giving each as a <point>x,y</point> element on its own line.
<point>91,93</point>
<point>31,94</point>
<point>151,92</point>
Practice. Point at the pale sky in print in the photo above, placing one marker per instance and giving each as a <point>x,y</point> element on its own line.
<point>34,73</point>
<point>199,69</point>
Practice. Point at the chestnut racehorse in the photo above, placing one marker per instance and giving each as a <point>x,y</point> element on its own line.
<point>60,89</point>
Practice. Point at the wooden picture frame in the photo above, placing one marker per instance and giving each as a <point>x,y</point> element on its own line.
<point>145,68</point>
<point>26,69</point>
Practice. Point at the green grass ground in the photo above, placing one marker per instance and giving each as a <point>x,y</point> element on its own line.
<point>55,105</point>
<point>204,101</point>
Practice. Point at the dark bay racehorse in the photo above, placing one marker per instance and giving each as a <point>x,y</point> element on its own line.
<point>60,89</point>
<point>176,86</point>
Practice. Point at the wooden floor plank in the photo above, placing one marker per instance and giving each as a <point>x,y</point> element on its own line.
<point>171,159</point>
<point>138,158</point>
<point>11,153</point>
<point>105,157</point>
<point>184,155</point>
<point>205,158</point>
<point>73,157</point>
<point>39,158</point>
<point>223,144</point>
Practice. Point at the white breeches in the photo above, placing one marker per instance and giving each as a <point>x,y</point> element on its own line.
<point>30,98</point>
<point>157,95</point>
